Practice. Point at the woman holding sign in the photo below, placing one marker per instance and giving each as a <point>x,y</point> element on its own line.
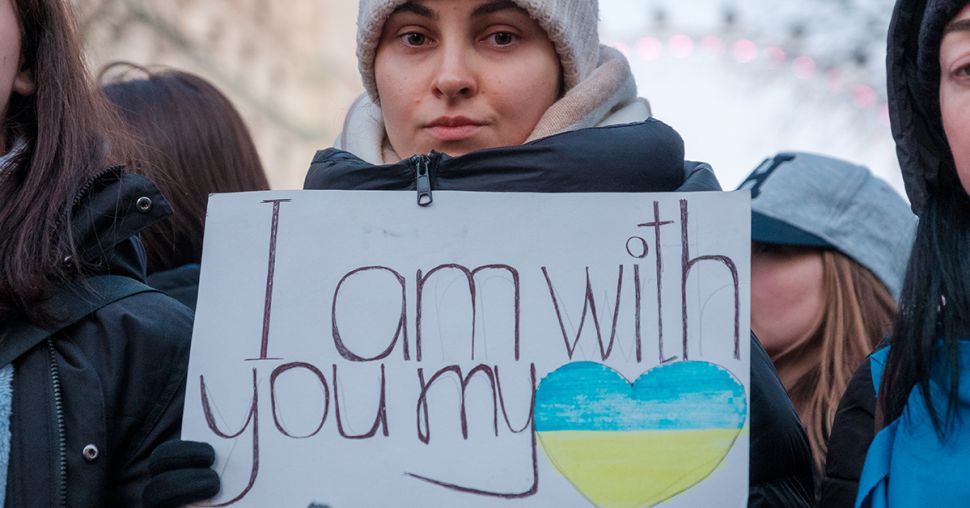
<point>519,96</point>
<point>907,410</point>
<point>92,361</point>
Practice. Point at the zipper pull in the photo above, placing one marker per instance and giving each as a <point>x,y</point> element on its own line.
<point>422,171</point>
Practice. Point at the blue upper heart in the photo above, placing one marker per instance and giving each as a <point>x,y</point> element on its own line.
<point>692,395</point>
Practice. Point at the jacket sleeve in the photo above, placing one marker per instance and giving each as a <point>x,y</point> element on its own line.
<point>852,433</point>
<point>781,472</point>
<point>149,399</point>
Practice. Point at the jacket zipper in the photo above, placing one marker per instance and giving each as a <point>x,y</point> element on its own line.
<point>422,177</point>
<point>61,493</point>
<point>83,191</point>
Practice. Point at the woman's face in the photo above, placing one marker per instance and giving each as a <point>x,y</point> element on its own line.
<point>786,295</point>
<point>955,91</point>
<point>12,78</point>
<point>462,75</point>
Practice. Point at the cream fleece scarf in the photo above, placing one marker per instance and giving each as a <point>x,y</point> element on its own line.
<point>607,97</point>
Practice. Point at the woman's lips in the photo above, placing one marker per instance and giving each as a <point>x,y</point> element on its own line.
<point>455,128</point>
<point>452,133</point>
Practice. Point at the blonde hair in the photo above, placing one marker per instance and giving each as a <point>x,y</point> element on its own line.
<point>857,315</point>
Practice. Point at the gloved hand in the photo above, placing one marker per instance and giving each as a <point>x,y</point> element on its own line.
<point>181,473</point>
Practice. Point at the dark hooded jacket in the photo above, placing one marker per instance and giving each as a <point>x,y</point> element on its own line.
<point>90,405</point>
<point>181,283</point>
<point>913,86</point>
<point>641,157</point>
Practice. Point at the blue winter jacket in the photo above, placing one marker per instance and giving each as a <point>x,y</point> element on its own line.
<point>908,462</point>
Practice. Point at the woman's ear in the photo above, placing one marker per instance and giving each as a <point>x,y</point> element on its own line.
<point>23,82</point>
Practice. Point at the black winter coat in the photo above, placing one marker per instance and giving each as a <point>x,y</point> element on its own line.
<point>641,157</point>
<point>853,430</point>
<point>181,283</point>
<point>118,376</point>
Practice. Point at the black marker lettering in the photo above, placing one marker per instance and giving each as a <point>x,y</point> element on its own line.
<point>272,393</point>
<point>252,418</point>
<point>402,323</point>
<point>270,279</point>
<point>589,306</point>
<point>687,264</point>
<point>658,253</point>
<point>422,279</point>
<point>380,421</point>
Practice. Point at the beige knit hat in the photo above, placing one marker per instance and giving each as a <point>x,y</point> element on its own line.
<point>570,24</point>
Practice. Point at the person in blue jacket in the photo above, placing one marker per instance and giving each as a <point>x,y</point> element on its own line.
<point>905,418</point>
<point>520,96</point>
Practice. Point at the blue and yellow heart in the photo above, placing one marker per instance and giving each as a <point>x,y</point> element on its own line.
<point>625,444</point>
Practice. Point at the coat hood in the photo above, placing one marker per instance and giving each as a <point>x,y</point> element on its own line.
<point>641,157</point>
<point>913,80</point>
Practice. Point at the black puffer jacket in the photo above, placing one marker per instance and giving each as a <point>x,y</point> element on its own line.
<point>118,375</point>
<point>642,157</point>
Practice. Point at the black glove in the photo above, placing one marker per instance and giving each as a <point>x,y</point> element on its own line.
<point>180,474</point>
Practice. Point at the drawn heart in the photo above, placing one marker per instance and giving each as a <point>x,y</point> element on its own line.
<point>639,444</point>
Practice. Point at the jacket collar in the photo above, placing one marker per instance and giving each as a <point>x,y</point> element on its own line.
<point>640,157</point>
<point>108,213</point>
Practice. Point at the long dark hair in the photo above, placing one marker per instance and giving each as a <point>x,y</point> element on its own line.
<point>193,143</point>
<point>934,308</point>
<point>64,127</point>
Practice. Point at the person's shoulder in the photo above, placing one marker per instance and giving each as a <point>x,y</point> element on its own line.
<point>143,356</point>
<point>149,325</point>
<point>781,469</point>
<point>181,283</point>
<point>699,177</point>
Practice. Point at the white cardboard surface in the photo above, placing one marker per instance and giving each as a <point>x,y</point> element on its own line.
<point>271,411</point>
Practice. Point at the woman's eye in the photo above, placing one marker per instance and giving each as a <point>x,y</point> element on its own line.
<point>962,72</point>
<point>502,38</point>
<point>414,39</point>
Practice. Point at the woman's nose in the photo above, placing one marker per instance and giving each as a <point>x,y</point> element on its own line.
<point>455,76</point>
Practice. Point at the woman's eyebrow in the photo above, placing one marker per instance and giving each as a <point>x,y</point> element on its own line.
<point>417,9</point>
<point>495,6</point>
<point>962,25</point>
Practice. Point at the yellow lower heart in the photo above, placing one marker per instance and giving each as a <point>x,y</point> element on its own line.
<point>634,469</point>
<point>627,445</point>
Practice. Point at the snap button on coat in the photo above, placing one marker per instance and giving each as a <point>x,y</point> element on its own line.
<point>90,453</point>
<point>144,204</point>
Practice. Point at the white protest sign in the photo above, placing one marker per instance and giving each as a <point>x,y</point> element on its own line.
<point>355,349</point>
